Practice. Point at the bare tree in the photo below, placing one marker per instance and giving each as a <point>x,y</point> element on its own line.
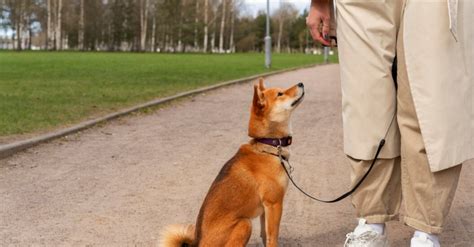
<point>213,37</point>
<point>213,22</point>
<point>153,26</point>
<point>143,23</point>
<point>232,20</point>
<point>206,19</point>
<point>49,27</point>
<point>80,35</point>
<point>286,12</point>
<point>221,35</point>
<point>196,22</point>
<point>180,28</point>
<point>59,43</point>
<point>280,33</point>
<point>18,16</point>
<point>15,12</point>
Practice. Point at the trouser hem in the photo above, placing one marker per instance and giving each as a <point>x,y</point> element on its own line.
<point>379,219</point>
<point>420,226</point>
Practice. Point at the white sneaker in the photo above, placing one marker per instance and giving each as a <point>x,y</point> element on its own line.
<point>365,236</point>
<point>422,241</point>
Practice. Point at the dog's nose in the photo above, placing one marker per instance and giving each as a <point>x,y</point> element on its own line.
<point>300,84</point>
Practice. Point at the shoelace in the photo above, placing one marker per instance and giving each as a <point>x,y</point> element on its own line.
<point>361,239</point>
<point>349,237</point>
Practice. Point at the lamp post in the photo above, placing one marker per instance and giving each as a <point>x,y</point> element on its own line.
<point>326,54</point>
<point>268,40</point>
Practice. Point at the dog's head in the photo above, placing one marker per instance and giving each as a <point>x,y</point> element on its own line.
<point>271,110</point>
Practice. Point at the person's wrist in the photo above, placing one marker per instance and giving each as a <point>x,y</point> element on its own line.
<point>319,3</point>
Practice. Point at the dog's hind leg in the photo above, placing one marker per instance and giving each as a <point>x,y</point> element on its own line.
<point>240,234</point>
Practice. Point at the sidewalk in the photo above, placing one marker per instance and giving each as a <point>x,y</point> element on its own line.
<point>123,182</point>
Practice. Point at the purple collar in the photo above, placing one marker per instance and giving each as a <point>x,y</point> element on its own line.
<point>284,142</point>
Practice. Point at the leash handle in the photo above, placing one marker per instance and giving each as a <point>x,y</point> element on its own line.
<point>343,196</point>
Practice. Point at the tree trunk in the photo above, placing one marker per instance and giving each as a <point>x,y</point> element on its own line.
<point>30,33</point>
<point>143,23</point>
<point>280,31</point>
<point>196,21</point>
<point>59,42</point>
<point>18,34</point>
<point>19,25</point>
<point>221,35</point>
<point>49,27</point>
<point>153,34</point>
<point>306,41</point>
<point>180,28</point>
<point>13,41</point>
<point>213,37</point>
<point>232,17</point>
<point>206,20</point>
<point>81,26</point>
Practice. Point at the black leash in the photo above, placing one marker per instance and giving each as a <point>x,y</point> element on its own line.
<point>348,193</point>
<point>379,148</point>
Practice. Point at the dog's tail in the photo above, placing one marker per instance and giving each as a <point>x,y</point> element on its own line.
<point>177,236</point>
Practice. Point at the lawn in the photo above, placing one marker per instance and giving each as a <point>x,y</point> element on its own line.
<point>40,91</point>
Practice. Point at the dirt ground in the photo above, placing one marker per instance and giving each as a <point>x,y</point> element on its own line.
<point>121,183</point>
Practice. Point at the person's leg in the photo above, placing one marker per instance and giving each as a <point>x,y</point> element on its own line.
<point>378,198</point>
<point>367,32</point>
<point>427,195</point>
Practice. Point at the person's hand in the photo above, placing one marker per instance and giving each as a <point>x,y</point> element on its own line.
<point>319,21</point>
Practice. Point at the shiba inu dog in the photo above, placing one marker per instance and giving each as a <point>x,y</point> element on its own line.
<point>252,183</point>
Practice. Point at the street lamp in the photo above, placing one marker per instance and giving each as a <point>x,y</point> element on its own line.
<point>268,40</point>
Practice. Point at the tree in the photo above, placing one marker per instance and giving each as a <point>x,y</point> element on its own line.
<point>180,28</point>
<point>14,10</point>
<point>80,34</point>
<point>147,25</point>
<point>143,23</point>
<point>299,34</point>
<point>284,14</point>
<point>153,27</point>
<point>196,22</point>
<point>206,19</point>
<point>49,36</point>
<point>221,35</point>
<point>59,43</point>
<point>232,23</point>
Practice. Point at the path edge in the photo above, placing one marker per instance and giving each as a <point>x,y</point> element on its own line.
<point>10,149</point>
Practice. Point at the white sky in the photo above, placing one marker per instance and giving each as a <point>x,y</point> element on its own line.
<point>253,6</point>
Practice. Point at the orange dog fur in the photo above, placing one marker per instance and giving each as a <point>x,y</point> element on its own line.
<point>251,184</point>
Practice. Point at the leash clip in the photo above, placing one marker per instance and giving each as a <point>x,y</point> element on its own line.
<point>282,160</point>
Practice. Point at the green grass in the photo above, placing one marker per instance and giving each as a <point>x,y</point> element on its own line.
<point>40,91</point>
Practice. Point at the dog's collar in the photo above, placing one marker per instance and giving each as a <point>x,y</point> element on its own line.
<point>276,142</point>
<point>270,149</point>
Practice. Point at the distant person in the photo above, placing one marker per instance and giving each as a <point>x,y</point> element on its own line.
<point>432,132</point>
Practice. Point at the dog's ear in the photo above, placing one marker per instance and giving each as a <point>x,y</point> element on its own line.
<point>261,85</point>
<point>258,96</point>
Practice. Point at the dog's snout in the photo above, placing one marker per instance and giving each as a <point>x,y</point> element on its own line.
<point>300,84</point>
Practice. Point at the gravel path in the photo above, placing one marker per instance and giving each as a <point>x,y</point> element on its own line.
<point>121,183</point>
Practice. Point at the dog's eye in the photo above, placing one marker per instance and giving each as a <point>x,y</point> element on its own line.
<point>280,94</point>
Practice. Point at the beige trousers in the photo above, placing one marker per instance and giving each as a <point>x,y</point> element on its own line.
<point>427,196</point>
